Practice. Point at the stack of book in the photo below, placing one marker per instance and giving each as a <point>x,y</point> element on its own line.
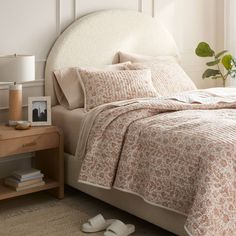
<point>25,179</point>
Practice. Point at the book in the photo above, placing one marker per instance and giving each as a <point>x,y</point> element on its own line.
<point>21,174</point>
<point>13,182</point>
<point>23,179</point>
<point>41,183</point>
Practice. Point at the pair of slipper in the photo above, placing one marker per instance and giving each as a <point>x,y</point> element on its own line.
<point>112,227</point>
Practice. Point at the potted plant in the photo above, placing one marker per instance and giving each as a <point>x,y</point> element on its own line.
<point>216,70</point>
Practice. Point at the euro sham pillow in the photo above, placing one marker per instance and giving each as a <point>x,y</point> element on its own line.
<point>168,77</point>
<point>133,57</point>
<point>102,87</point>
<point>67,85</point>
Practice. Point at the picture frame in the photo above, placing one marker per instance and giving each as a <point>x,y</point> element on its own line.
<point>39,111</point>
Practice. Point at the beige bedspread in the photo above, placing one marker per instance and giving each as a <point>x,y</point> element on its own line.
<point>178,153</point>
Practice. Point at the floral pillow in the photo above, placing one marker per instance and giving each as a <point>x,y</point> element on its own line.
<point>168,77</point>
<point>102,87</point>
<point>67,87</point>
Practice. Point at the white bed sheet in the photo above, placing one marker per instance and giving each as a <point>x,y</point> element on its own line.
<point>70,121</point>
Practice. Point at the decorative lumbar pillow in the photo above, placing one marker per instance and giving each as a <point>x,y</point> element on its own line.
<point>133,57</point>
<point>102,87</point>
<point>167,76</point>
<point>67,85</point>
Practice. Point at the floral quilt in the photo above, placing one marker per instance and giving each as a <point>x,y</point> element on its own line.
<point>174,153</point>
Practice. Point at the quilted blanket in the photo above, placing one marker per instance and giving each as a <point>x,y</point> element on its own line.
<point>178,153</point>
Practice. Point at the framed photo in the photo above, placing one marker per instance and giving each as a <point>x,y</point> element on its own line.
<point>39,111</point>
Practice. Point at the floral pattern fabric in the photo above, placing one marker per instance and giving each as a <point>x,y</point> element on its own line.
<point>176,155</point>
<point>168,77</point>
<point>109,86</point>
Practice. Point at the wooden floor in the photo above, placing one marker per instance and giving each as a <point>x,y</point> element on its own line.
<point>87,205</point>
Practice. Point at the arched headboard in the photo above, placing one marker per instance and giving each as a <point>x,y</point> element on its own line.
<point>95,39</point>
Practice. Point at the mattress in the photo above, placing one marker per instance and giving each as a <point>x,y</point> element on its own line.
<point>70,121</point>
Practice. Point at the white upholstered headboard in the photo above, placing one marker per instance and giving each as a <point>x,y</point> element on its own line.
<point>95,39</point>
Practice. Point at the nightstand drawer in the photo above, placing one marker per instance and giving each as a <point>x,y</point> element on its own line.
<point>29,144</point>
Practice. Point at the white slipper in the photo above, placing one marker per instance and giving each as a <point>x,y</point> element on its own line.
<point>96,224</point>
<point>118,228</point>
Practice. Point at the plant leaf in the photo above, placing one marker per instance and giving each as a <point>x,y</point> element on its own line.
<point>204,50</point>
<point>213,63</point>
<point>220,54</point>
<point>210,72</point>
<point>227,61</point>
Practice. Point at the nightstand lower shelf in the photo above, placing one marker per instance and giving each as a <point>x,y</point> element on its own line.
<point>7,192</point>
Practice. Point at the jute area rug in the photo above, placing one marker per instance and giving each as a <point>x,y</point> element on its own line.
<point>56,218</point>
<point>40,214</point>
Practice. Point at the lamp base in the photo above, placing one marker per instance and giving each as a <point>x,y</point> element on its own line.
<point>15,104</point>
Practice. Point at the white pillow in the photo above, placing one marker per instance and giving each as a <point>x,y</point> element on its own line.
<point>132,57</point>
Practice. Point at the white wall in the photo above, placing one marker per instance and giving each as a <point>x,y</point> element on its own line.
<point>230,33</point>
<point>31,26</point>
<point>199,21</point>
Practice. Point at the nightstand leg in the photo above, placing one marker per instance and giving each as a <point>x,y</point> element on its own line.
<point>51,163</point>
<point>58,192</point>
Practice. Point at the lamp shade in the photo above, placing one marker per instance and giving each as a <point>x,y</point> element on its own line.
<point>17,68</point>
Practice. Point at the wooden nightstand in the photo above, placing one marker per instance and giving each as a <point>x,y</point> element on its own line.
<point>47,143</point>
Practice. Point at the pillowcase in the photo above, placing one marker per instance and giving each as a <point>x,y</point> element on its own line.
<point>67,86</point>
<point>102,87</point>
<point>132,57</point>
<point>167,76</point>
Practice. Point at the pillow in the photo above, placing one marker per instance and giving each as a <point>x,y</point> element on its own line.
<point>68,90</point>
<point>118,66</point>
<point>167,76</point>
<point>102,87</point>
<point>132,57</point>
<point>67,86</point>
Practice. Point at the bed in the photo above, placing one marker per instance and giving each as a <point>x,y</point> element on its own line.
<point>169,220</point>
<point>94,40</point>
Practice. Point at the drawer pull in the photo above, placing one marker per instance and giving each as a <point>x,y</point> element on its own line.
<point>29,144</point>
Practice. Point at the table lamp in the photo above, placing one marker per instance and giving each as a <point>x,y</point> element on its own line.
<point>15,69</point>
